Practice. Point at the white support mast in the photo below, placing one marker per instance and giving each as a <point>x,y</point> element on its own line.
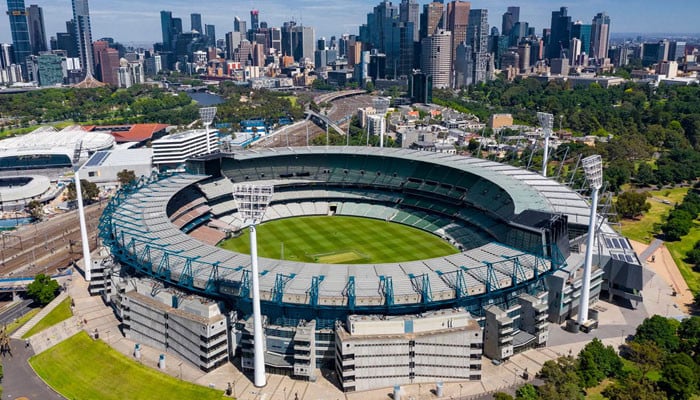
<point>83,229</point>
<point>593,168</point>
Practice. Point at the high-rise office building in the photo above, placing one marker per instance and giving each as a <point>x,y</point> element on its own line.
<point>600,36</point>
<point>478,39</point>
<point>431,20</point>
<point>37,32</point>
<point>510,18</point>
<point>50,70</point>
<point>676,50</point>
<point>303,43</point>
<point>436,51</point>
<point>457,23</point>
<point>21,45</point>
<point>239,25</point>
<point>5,55</point>
<point>97,47</point>
<point>81,16</point>
<point>210,32</point>
<point>582,31</point>
<point>560,34</point>
<point>409,11</point>
<point>166,26</point>
<point>196,22</point>
<point>254,20</point>
<point>109,66</point>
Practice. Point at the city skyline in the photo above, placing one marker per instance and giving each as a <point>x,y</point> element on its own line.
<point>334,17</point>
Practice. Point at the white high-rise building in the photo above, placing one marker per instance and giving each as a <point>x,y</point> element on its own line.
<point>436,58</point>
<point>600,36</point>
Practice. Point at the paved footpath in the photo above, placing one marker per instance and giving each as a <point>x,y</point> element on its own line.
<point>20,381</point>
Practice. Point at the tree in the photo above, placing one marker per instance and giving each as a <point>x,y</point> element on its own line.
<point>631,389</point>
<point>689,332</point>
<point>660,331</point>
<point>526,392</point>
<point>89,189</point>
<point>36,209</point>
<point>632,204</point>
<point>678,381</point>
<point>677,225</point>
<point>644,175</point>
<point>646,355</point>
<point>43,289</point>
<point>597,362</point>
<point>126,177</point>
<point>561,382</point>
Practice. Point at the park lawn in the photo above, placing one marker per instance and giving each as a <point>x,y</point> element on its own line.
<point>341,240</point>
<point>642,229</point>
<point>83,368</point>
<point>678,251</point>
<point>596,393</point>
<point>61,313</point>
<point>14,325</point>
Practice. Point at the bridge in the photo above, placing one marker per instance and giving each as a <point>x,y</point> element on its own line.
<point>323,121</point>
<point>332,96</point>
<point>18,284</point>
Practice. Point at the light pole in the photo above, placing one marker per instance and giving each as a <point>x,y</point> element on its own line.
<point>546,120</point>
<point>460,390</point>
<point>252,201</point>
<point>593,168</point>
<point>207,114</point>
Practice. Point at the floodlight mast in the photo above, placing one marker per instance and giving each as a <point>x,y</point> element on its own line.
<point>206,115</point>
<point>547,122</point>
<point>593,168</point>
<point>87,262</point>
<point>252,201</point>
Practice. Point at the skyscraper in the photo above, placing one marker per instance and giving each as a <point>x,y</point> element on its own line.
<point>166,26</point>
<point>37,32</point>
<point>478,39</point>
<point>600,36</point>
<point>239,25</point>
<point>196,22</point>
<point>254,20</point>
<point>81,16</point>
<point>582,31</point>
<point>560,34</point>
<point>409,11</point>
<point>436,51</point>
<point>20,33</point>
<point>510,17</point>
<point>457,23</point>
<point>432,19</point>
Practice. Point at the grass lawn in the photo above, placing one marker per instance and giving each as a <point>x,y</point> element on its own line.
<point>642,229</point>
<point>341,240</point>
<point>679,249</point>
<point>82,368</point>
<point>596,393</point>
<point>14,325</point>
<point>61,313</point>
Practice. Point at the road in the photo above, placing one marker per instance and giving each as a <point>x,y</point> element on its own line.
<point>47,246</point>
<point>15,311</point>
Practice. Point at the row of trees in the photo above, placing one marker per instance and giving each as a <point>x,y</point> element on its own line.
<point>137,104</point>
<point>662,362</point>
<point>680,218</point>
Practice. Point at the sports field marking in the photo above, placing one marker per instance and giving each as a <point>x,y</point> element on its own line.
<point>340,257</point>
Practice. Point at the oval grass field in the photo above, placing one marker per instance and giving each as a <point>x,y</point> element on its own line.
<point>341,240</point>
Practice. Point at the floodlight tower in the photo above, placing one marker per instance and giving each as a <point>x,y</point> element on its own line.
<point>546,121</point>
<point>593,168</point>
<point>83,229</point>
<point>206,115</point>
<point>252,201</point>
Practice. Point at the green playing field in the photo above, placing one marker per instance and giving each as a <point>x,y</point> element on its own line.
<point>341,240</point>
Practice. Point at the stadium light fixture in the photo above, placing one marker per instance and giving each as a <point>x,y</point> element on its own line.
<point>83,229</point>
<point>206,115</point>
<point>547,122</point>
<point>252,201</point>
<point>593,168</point>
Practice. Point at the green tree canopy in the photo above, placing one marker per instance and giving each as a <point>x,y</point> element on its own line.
<point>89,190</point>
<point>632,204</point>
<point>43,289</point>
<point>126,177</point>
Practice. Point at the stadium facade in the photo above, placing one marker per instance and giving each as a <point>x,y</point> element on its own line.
<point>519,266</point>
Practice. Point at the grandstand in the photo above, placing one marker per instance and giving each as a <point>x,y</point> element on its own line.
<point>518,234</point>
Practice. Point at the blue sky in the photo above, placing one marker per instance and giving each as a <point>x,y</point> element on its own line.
<point>138,20</point>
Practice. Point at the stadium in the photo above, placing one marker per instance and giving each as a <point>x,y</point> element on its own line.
<point>516,264</point>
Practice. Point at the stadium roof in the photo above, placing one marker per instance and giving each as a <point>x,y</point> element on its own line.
<point>48,138</point>
<point>129,133</point>
<point>36,186</point>
<point>527,189</point>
